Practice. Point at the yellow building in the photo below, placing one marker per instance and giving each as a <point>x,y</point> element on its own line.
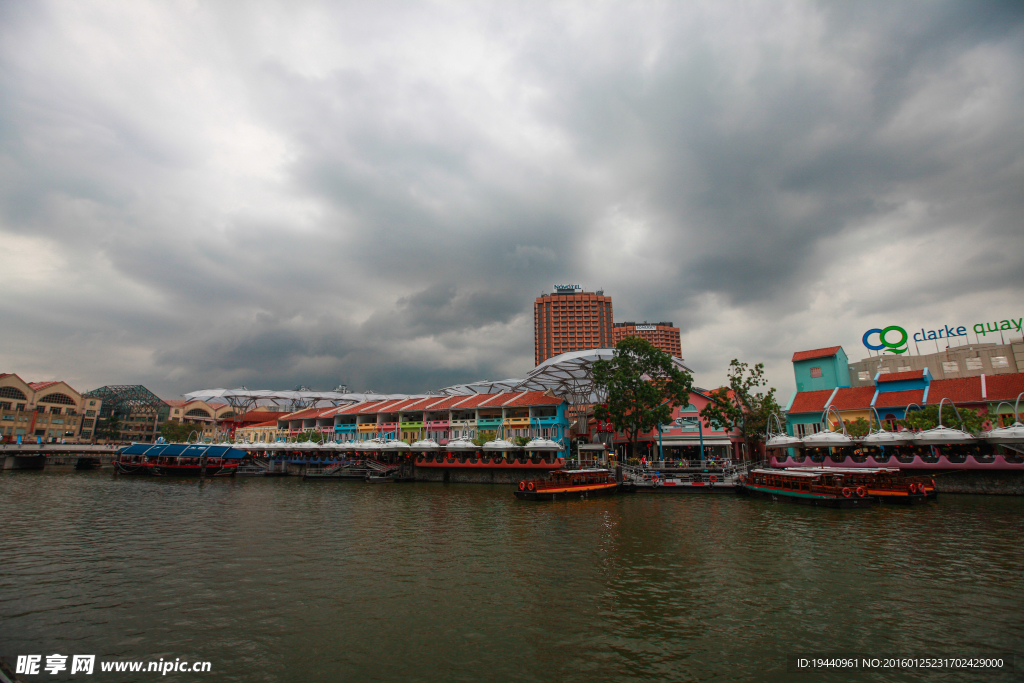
<point>47,411</point>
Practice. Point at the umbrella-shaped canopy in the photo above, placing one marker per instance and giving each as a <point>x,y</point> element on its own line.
<point>826,439</point>
<point>543,445</point>
<point>461,445</point>
<point>884,438</point>
<point>783,441</point>
<point>942,436</point>
<point>1012,434</point>
<point>369,445</point>
<point>500,445</point>
<point>426,445</point>
<point>395,445</point>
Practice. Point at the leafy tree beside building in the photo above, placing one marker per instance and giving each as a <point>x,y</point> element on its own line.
<point>741,407</point>
<point>176,432</point>
<point>643,386</point>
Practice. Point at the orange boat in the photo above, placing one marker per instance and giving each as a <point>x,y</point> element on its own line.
<point>569,484</point>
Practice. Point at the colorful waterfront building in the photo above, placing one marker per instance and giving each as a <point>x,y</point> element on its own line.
<point>680,439</point>
<point>530,414</point>
<point>48,411</point>
<point>890,394</point>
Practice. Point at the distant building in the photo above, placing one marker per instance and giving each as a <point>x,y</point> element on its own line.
<point>50,411</point>
<point>970,360</point>
<point>137,410</point>
<point>664,335</point>
<point>570,320</point>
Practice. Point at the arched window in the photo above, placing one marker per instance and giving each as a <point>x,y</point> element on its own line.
<point>12,392</point>
<point>61,399</point>
<point>197,412</point>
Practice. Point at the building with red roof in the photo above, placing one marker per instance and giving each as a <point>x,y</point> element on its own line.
<point>525,414</point>
<point>49,411</point>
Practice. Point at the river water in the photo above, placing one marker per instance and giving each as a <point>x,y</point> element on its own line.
<point>282,580</point>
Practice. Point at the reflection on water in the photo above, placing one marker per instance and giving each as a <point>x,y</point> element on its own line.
<point>283,580</point>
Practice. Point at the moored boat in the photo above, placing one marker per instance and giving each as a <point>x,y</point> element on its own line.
<point>569,484</point>
<point>887,484</point>
<point>805,487</point>
<point>177,459</point>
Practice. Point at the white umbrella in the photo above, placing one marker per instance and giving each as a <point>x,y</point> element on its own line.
<point>461,445</point>
<point>1012,434</point>
<point>942,436</point>
<point>426,445</point>
<point>500,445</point>
<point>828,439</point>
<point>543,445</point>
<point>783,441</point>
<point>884,438</point>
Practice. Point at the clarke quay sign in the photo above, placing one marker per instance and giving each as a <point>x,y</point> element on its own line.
<point>895,339</point>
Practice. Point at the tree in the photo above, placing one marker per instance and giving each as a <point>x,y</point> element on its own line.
<point>484,436</point>
<point>175,432</point>
<point>108,428</point>
<point>738,407</point>
<point>643,386</point>
<point>971,420</point>
<point>520,440</point>
<point>857,428</point>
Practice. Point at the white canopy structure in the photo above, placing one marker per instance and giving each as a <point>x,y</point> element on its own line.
<point>244,400</point>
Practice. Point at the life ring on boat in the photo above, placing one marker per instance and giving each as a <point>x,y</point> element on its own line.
<point>861,492</point>
<point>846,493</point>
<point>713,478</point>
<point>530,486</point>
<point>913,488</point>
<point>522,486</point>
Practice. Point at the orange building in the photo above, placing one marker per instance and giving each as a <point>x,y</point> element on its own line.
<point>663,335</point>
<point>570,320</point>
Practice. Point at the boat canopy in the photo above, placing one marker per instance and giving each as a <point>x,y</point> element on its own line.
<point>791,473</point>
<point>184,450</point>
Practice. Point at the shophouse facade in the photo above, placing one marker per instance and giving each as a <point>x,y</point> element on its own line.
<point>508,415</point>
<point>890,395</point>
<point>679,439</point>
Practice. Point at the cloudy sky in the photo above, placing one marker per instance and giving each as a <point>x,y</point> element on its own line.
<point>198,194</point>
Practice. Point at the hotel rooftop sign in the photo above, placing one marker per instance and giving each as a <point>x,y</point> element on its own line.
<point>568,289</point>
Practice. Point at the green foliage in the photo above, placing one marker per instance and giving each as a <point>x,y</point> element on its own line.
<point>857,428</point>
<point>108,428</point>
<point>739,407</point>
<point>643,386</point>
<point>520,440</point>
<point>971,420</point>
<point>484,436</point>
<point>310,435</point>
<point>175,432</point>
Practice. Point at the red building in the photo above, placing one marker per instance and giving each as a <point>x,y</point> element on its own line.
<point>571,320</point>
<point>663,335</point>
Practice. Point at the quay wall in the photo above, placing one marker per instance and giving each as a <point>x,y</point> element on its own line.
<point>477,475</point>
<point>982,482</point>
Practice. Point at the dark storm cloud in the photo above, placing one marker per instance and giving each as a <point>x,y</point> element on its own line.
<point>374,194</point>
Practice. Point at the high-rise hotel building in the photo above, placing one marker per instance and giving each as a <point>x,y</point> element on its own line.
<point>570,320</point>
<point>664,335</point>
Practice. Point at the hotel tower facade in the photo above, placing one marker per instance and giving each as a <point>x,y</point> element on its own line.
<point>570,319</point>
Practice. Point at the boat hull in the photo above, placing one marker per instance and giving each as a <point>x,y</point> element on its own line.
<point>809,499</point>
<point>564,493</point>
<point>190,471</point>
